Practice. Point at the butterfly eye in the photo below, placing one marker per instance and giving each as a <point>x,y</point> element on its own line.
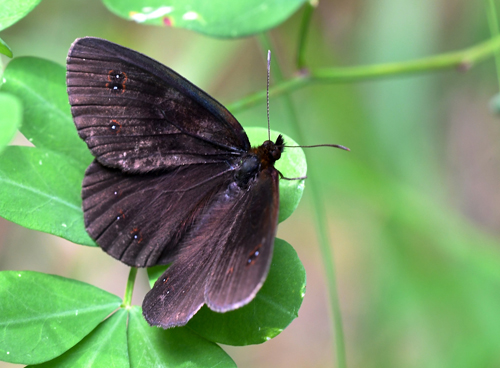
<point>276,152</point>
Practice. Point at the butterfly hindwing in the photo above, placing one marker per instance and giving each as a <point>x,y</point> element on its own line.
<point>225,259</point>
<point>140,219</point>
<point>244,261</point>
<point>137,115</point>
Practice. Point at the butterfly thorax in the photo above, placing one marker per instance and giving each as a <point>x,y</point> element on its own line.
<point>258,159</point>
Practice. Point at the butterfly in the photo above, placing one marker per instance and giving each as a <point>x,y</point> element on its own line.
<point>174,180</point>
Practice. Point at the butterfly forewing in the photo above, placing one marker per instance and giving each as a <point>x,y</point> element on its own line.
<point>224,260</point>
<point>138,115</point>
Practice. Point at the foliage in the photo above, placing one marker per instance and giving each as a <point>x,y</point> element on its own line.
<point>241,18</point>
<point>41,191</point>
<point>417,248</point>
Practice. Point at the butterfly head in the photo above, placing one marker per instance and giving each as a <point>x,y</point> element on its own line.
<point>270,152</point>
<point>258,159</point>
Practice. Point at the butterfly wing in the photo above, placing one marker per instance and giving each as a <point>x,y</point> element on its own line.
<point>225,259</point>
<point>137,115</point>
<point>140,219</point>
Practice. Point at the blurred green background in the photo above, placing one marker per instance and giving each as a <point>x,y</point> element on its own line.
<point>413,210</point>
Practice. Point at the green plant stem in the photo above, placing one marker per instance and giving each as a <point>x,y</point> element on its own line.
<point>460,60</point>
<point>127,298</point>
<point>491,12</point>
<point>304,28</point>
<point>319,214</point>
<point>328,259</point>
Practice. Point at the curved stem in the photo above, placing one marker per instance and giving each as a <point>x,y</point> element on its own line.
<point>321,225</point>
<point>460,60</point>
<point>129,289</point>
<point>329,266</point>
<point>304,28</point>
<point>491,12</point>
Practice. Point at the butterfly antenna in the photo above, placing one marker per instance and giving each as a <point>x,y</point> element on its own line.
<point>269,123</point>
<point>321,145</point>
<point>268,73</point>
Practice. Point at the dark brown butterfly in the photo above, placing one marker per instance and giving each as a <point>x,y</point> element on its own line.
<point>174,180</point>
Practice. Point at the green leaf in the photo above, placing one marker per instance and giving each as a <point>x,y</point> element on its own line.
<point>41,191</point>
<point>10,118</point>
<point>175,347</point>
<point>218,18</point>
<point>43,315</point>
<point>41,86</point>
<point>292,165</point>
<point>5,49</point>
<point>14,10</point>
<point>274,307</point>
<point>104,347</point>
